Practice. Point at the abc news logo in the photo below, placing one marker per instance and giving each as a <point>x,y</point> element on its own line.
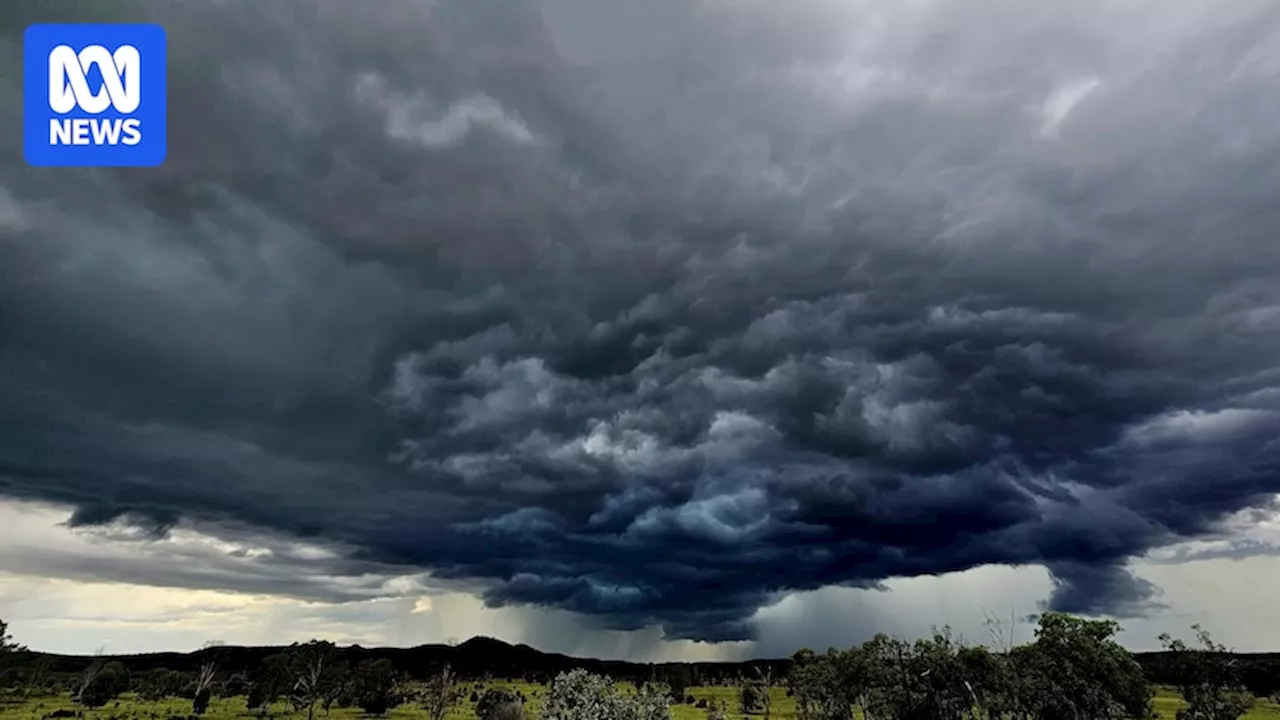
<point>94,95</point>
<point>69,89</point>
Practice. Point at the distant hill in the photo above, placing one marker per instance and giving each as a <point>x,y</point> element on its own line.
<point>476,658</point>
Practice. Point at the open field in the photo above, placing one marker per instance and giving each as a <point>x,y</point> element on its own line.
<point>129,708</point>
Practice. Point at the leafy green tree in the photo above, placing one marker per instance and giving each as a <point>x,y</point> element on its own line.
<point>267,683</point>
<point>374,686</point>
<point>1208,679</point>
<point>37,677</point>
<point>7,644</point>
<point>494,698</point>
<point>106,685</point>
<point>1075,669</point>
<point>161,684</point>
<point>751,697</point>
<point>826,687</point>
<point>236,684</point>
<point>580,695</point>
<point>679,679</point>
<point>441,693</point>
<point>202,692</point>
<point>8,649</point>
<point>315,675</point>
<point>927,679</point>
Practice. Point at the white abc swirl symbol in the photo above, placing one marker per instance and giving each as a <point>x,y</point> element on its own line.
<point>121,79</point>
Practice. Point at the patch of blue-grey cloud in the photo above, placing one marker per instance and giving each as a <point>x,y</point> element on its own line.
<point>655,311</point>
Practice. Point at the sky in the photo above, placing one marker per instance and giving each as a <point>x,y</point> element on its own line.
<point>652,329</point>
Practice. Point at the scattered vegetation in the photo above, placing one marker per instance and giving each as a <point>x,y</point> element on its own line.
<point>1207,678</point>
<point>1072,669</point>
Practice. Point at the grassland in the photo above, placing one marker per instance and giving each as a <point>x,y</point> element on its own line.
<point>130,708</point>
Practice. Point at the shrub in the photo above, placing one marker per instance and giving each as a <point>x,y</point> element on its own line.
<point>495,698</point>
<point>1208,679</point>
<point>105,686</point>
<point>678,680</point>
<point>440,694</point>
<point>374,686</point>
<point>267,682</point>
<point>163,684</point>
<point>580,695</point>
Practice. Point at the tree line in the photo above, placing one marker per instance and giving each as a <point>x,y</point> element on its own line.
<point>1073,669</point>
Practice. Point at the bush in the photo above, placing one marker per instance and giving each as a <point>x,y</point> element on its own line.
<point>678,680</point>
<point>162,684</point>
<point>580,695</point>
<point>374,686</point>
<point>1074,669</point>
<point>267,682</point>
<point>107,685</point>
<point>1208,679</point>
<point>751,698</point>
<point>495,698</point>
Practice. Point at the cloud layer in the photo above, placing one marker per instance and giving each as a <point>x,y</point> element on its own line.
<point>653,310</point>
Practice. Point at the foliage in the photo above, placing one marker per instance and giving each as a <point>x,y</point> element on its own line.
<point>827,687</point>
<point>650,702</point>
<point>493,698</point>
<point>37,677</point>
<point>234,685</point>
<point>750,698</point>
<point>440,694</point>
<point>202,691</point>
<point>87,677</point>
<point>1073,670</point>
<point>7,644</point>
<point>315,676</point>
<point>268,682</point>
<point>580,695</point>
<point>105,685</point>
<point>374,686</point>
<point>161,684</point>
<point>679,679</point>
<point>1208,679</point>
<point>926,680</point>
<point>505,711</point>
<point>1076,669</point>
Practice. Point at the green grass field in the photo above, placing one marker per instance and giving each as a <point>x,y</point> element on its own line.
<point>129,708</point>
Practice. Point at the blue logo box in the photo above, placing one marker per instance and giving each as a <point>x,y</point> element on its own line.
<point>94,95</point>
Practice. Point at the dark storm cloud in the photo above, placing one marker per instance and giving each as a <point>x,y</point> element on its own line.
<point>651,311</point>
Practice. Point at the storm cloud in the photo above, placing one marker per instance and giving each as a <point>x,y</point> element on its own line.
<point>654,310</point>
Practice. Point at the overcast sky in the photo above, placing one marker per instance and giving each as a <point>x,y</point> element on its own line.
<point>652,328</point>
